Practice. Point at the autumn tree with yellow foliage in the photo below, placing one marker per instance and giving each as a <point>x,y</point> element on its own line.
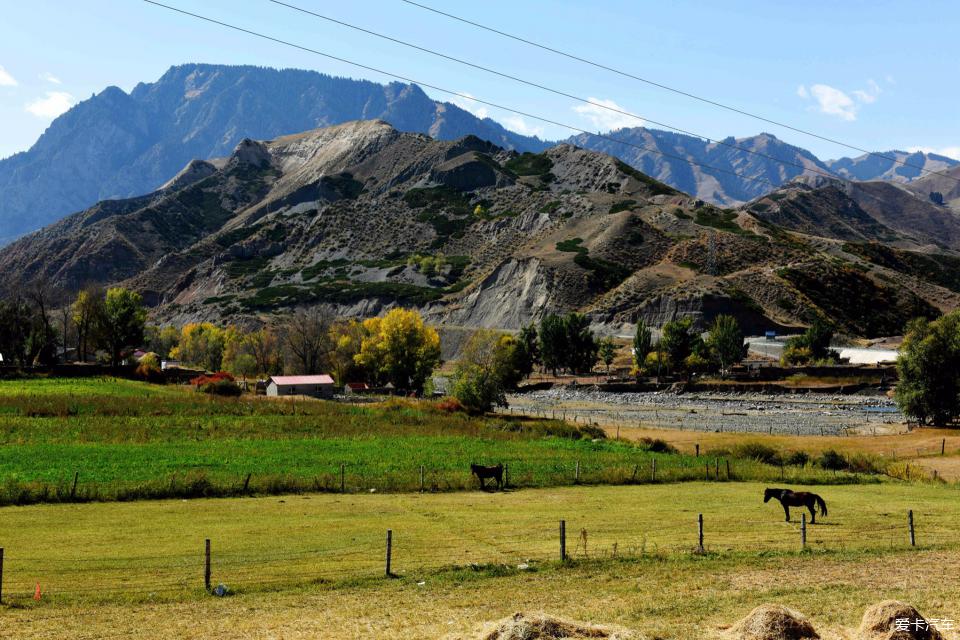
<point>399,348</point>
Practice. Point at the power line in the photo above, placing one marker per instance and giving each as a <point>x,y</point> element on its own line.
<point>458,94</point>
<point>558,92</point>
<point>675,90</point>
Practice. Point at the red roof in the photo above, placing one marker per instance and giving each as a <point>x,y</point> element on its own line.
<point>357,385</point>
<point>295,380</point>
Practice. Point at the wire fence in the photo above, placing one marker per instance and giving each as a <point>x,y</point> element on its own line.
<point>418,552</point>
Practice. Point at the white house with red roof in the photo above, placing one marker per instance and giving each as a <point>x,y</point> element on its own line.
<point>318,386</point>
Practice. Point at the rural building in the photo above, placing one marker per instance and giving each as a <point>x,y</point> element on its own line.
<point>356,387</point>
<point>319,386</point>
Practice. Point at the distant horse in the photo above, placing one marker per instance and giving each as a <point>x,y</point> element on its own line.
<point>482,473</point>
<point>790,498</point>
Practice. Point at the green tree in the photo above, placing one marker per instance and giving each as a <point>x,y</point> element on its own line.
<point>812,346</point>
<point>929,370</point>
<point>15,325</point>
<point>642,342</point>
<point>553,342</point>
<point>486,370</point>
<point>122,322</point>
<point>725,341</point>
<point>581,346</point>
<point>86,311</point>
<point>608,351</point>
<point>202,344</point>
<point>677,342</point>
<point>528,350</point>
<point>162,340</point>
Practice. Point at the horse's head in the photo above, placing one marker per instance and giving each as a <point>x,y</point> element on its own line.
<point>769,493</point>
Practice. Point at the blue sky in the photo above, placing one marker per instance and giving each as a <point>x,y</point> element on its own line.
<point>878,74</point>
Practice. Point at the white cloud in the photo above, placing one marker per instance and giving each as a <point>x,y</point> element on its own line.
<point>603,119</point>
<point>521,126</point>
<point>834,102</point>
<point>950,152</point>
<point>49,77</point>
<point>6,80</point>
<point>470,104</point>
<point>55,103</point>
<point>890,79</point>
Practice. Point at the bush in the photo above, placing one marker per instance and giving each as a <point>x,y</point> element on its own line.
<point>221,388</point>
<point>449,405</point>
<point>199,381</point>
<point>798,458</point>
<point>759,452</point>
<point>656,445</point>
<point>831,459</point>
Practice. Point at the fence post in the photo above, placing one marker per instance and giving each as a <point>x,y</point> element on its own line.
<point>576,474</point>
<point>636,468</point>
<point>563,541</point>
<point>343,485</point>
<point>421,478</point>
<point>943,446</point>
<point>1,574</point>
<point>716,468</point>
<point>389,551</point>
<point>700,532</point>
<point>697,449</point>
<point>206,567</point>
<point>653,470</point>
<point>246,482</point>
<point>803,531</point>
<point>506,475</point>
<point>73,490</point>
<point>913,538</point>
<point>728,468</point>
<point>706,467</point>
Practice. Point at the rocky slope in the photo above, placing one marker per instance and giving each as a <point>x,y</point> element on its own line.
<point>360,217</point>
<point>891,166</point>
<point>117,145</point>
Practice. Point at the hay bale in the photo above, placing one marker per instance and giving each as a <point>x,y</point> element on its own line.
<point>880,623</point>
<point>522,626</point>
<point>773,622</point>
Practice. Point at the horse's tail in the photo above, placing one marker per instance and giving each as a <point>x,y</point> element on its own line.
<point>821,504</point>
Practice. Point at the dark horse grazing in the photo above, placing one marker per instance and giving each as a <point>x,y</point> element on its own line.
<point>482,473</point>
<point>790,498</point>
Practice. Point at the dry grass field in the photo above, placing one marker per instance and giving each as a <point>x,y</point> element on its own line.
<point>311,566</point>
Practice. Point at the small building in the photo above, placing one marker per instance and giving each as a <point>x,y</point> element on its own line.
<point>355,387</point>
<point>170,364</point>
<point>318,386</point>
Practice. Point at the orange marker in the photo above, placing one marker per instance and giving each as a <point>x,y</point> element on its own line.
<point>36,594</point>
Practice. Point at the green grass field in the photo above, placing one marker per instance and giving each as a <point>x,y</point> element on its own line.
<point>123,440</point>
<point>122,565</point>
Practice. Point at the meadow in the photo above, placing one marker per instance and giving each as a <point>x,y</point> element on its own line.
<point>109,439</point>
<point>313,565</point>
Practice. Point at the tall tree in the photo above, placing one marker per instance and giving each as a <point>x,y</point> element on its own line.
<point>581,346</point>
<point>307,338</point>
<point>528,350</point>
<point>677,341</point>
<point>15,324</point>
<point>929,370</point>
<point>122,321</point>
<point>265,348</point>
<point>553,342</point>
<point>642,342</point>
<point>487,368</point>
<point>400,348</point>
<point>87,309</point>
<point>726,341</point>
<point>608,351</point>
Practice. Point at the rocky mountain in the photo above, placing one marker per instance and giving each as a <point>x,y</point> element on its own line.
<point>360,217</point>
<point>895,166</point>
<point>118,145</point>
<point>723,174</point>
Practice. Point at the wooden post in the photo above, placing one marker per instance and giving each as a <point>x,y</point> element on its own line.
<point>913,538</point>
<point>700,532</point>
<point>576,473</point>
<point>73,490</point>
<point>343,485</point>
<point>728,468</point>
<point>206,567</point>
<point>943,446</point>
<point>698,450</point>
<point>653,470</point>
<point>1,574</point>
<point>716,468</point>
<point>618,432</point>
<point>706,467</point>
<point>246,483</point>
<point>421,478</point>
<point>563,541</point>
<point>781,471</point>
<point>803,531</point>
<point>389,551</point>
<point>636,468</point>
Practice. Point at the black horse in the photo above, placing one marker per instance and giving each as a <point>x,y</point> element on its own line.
<point>482,473</point>
<point>790,498</point>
